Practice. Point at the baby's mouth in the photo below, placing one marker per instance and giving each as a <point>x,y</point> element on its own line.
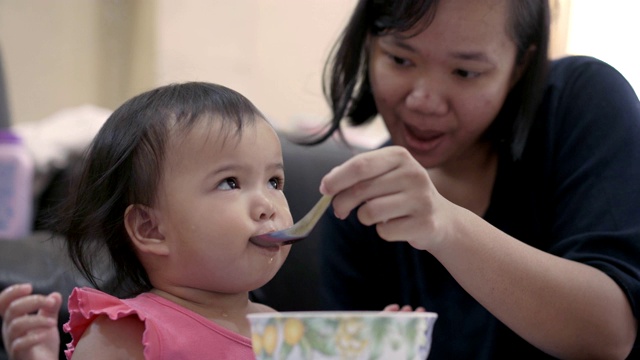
<point>262,245</point>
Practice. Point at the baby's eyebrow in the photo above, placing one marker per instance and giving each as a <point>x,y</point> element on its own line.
<point>228,167</point>
<point>277,165</point>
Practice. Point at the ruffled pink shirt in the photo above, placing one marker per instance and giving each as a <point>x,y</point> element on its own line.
<point>171,331</point>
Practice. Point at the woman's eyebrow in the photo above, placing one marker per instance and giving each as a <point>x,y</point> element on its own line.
<point>470,56</point>
<point>461,55</point>
<point>398,41</point>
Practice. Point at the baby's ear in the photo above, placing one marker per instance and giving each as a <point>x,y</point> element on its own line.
<point>142,226</point>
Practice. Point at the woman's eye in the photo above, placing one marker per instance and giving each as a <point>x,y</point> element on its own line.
<point>228,184</point>
<point>466,74</point>
<point>398,60</point>
<point>275,183</point>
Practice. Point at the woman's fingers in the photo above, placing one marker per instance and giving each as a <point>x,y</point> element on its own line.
<point>362,167</point>
<point>392,192</point>
<point>372,177</point>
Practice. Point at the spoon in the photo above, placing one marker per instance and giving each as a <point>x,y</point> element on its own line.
<point>298,231</point>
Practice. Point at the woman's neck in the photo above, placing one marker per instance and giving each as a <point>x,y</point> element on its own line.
<point>468,182</point>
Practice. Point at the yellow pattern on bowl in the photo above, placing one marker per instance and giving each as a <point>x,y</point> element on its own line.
<point>333,335</point>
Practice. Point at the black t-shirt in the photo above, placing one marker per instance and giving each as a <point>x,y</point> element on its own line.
<point>574,193</point>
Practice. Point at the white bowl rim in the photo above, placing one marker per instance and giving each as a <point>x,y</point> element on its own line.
<point>344,314</point>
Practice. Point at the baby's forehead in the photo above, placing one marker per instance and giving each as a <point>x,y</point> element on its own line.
<point>207,142</point>
<point>216,131</point>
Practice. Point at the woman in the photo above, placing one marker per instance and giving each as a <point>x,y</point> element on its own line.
<point>507,199</point>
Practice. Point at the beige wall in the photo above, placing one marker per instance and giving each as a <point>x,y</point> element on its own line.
<point>271,51</point>
<point>67,53</point>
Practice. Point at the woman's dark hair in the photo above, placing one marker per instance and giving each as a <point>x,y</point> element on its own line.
<point>123,166</point>
<point>346,81</point>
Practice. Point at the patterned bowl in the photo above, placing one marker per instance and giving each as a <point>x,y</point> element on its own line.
<point>329,335</point>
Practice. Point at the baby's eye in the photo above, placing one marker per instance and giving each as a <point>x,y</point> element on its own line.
<point>228,184</point>
<point>466,74</point>
<point>276,183</point>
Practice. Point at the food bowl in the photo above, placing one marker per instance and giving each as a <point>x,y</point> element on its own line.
<point>329,335</point>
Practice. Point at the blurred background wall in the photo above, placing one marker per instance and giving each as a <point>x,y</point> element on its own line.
<point>67,53</point>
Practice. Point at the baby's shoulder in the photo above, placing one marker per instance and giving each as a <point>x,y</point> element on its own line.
<point>111,339</point>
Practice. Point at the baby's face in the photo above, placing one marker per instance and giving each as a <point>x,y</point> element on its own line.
<point>216,192</point>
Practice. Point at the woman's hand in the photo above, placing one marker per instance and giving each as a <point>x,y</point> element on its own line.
<point>396,194</point>
<point>29,323</point>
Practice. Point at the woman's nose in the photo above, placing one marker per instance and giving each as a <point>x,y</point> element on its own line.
<point>426,97</point>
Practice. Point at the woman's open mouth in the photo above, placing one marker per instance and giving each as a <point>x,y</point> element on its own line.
<point>422,140</point>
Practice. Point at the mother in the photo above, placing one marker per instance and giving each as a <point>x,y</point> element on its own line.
<point>508,198</point>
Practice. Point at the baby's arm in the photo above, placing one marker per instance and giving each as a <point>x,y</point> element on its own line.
<point>111,339</point>
<point>29,323</point>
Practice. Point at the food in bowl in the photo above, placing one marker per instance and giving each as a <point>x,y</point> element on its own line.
<point>329,335</point>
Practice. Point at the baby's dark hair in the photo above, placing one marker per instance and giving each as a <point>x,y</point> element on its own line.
<point>123,166</point>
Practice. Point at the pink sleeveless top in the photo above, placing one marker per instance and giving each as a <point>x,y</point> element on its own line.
<point>171,331</point>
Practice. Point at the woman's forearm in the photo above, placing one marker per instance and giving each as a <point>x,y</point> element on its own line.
<point>565,308</point>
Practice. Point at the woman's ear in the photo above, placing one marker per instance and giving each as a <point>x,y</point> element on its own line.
<point>523,64</point>
<point>141,223</point>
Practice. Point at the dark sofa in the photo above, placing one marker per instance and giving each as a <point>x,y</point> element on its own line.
<point>39,259</point>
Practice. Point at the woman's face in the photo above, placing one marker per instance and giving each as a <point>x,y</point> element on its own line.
<point>438,91</point>
<point>215,193</point>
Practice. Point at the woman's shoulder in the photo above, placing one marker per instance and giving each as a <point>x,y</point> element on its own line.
<point>583,86</point>
<point>587,101</point>
<point>576,60</point>
<point>577,63</point>
<point>577,71</point>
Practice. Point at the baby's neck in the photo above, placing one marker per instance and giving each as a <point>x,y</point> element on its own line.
<point>227,310</point>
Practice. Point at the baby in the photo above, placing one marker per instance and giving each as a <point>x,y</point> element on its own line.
<point>173,186</point>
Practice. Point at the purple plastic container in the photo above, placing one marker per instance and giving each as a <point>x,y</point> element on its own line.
<point>16,187</point>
